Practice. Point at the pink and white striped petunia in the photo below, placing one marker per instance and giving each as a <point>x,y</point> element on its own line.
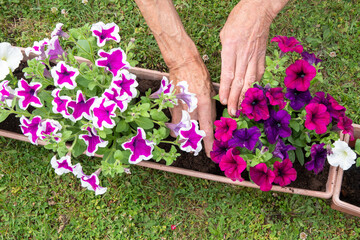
<point>190,138</point>
<point>113,94</point>
<point>126,83</point>
<point>30,128</point>
<point>54,50</point>
<point>81,107</point>
<point>38,49</point>
<point>92,141</point>
<point>27,94</point>
<point>139,146</point>
<point>60,103</point>
<point>64,75</point>
<point>49,129</point>
<point>92,183</point>
<point>113,61</point>
<point>59,32</point>
<point>103,112</point>
<point>183,124</point>
<point>166,88</point>
<point>6,93</point>
<point>105,32</point>
<point>63,165</point>
<point>186,97</point>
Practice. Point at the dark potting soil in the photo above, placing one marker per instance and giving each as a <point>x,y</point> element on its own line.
<point>350,187</point>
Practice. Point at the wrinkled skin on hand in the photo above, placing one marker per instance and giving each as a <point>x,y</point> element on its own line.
<point>243,40</point>
<point>195,73</point>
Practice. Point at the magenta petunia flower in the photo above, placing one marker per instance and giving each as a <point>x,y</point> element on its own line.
<point>113,94</point>
<point>254,106</point>
<point>317,117</point>
<point>288,44</point>
<point>318,156</point>
<point>284,172</point>
<point>277,125</point>
<point>333,107</point>
<point>54,50</point>
<point>276,97</point>
<point>298,98</point>
<point>140,148</point>
<point>49,129</point>
<point>224,128</point>
<point>92,183</point>
<point>187,97</point>
<point>105,32</point>
<point>166,88</point>
<point>30,128</point>
<point>219,150</point>
<point>59,32</point>
<point>232,165</point>
<point>92,141</point>
<point>81,107</point>
<point>310,58</point>
<point>126,84</point>
<point>60,103</point>
<point>299,75</point>
<point>281,150</point>
<point>63,165</point>
<point>262,176</point>
<point>103,113</point>
<point>64,75</point>
<point>190,138</point>
<point>245,138</point>
<point>113,61</point>
<point>345,124</point>
<point>38,49</point>
<point>184,123</point>
<point>27,94</point>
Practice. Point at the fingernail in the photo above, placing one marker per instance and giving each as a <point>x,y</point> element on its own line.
<point>224,101</point>
<point>233,112</point>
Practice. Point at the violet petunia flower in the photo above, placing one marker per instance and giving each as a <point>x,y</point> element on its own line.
<point>64,75</point>
<point>92,141</point>
<point>6,93</point>
<point>166,88</point>
<point>345,124</point>
<point>219,150</point>
<point>63,165</point>
<point>262,176</point>
<point>81,107</point>
<point>288,44</point>
<point>224,128</point>
<point>27,94</point>
<point>54,50</point>
<point>254,106</point>
<point>276,97</point>
<point>298,99</point>
<point>105,32</point>
<point>190,138</point>
<point>30,128</point>
<point>333,107</point>
<point>38,49</point>
<point>60,103</point>
<point>318,156</point>
<point>232,165</point>
<point>49,129</point>
<point>185,122</point>
<point>245,138</point>
<point>281,150</point>
<point>310,58</point>
<point>187,97</point>
<point>59,32</point>
<point>284,172</point>
<point>113,61</point>
<point>126,83</point>
<point>299,75</point>
<point>277,125</point>
<point>92,183</point>
<point>113,94</point>
<point>103,113</point>
<point>139,146</point>
<point>317,117</point>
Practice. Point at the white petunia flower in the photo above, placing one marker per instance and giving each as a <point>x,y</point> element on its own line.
<point>10,58</point>
<point>342,155</point>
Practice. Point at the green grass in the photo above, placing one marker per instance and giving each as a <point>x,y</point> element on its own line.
<point>34,201</point>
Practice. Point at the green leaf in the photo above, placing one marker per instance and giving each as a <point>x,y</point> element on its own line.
<point>358,162</point>
<point>300,155</point>
<point>4,115</point>
<point>92,85</point>
<point>295,125</point>
<point>118,155</point>
<point>357,146</point>
<point>145,123</point>
<point>158,115</point>
<point>291,155</point>
<point>216,97</point>
<point>226,114</point>
<point>79,148</point>
<point>122,126</point>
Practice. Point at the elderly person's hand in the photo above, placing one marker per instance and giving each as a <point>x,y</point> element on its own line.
<point>243,40</point>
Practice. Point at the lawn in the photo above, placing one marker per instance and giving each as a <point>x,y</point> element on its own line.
<point>36,203</point>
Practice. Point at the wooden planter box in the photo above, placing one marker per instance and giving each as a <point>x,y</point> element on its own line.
<point>157,76</point>
<point>337,203</point>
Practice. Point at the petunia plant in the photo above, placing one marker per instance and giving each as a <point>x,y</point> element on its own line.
<point>279,123</point>
<point>93,106</point>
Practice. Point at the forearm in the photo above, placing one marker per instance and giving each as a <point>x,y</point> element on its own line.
<point>271,7</point>
<point>175,45</point>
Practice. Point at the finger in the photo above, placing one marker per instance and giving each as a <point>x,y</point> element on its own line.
<point>228,58</point>
<point>250,78</point>
<point>206,121</point>
<point>260,67</point>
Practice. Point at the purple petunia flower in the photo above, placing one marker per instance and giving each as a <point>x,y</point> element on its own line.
<point>48,129</point>
<point>318,156</point>
<point>54,50</point>
<point>219,150</point>
<point>141,149</point>
<point>224,128</point>
<point>190,138</point>
<point>104,32</point>
<point>92,141</point>
<point>166,88</point>
<point>113,94</point>
<point>184,123</point>
<point>113,61</point>
<point>298,98</point>
<point>276,97</point>
<point>310,58</point>
<point>30,128</point>
<point>288,44</point>
<point>277,125</point>
<point>299,75</point>
<point>317,117</point>
<point>59,32</point>
<point>92,183</point>
<point>38,49</point>
<point>232,166</point>
<point>262,176</point>
<point>81,107</point>
<point>6,93</point>
<point>27,94</point>
<point>186,97</point>
<point>103,113</point>
<point>254,106</point>
<point>333,107</point>
<point>245,138</point>
<point>63,165</point>
<point>284,172</point>
<point>281,150</point>
<point>345,124</point>
<point>126,84</point>
<point>64,75</point>
<point>60,103</point>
